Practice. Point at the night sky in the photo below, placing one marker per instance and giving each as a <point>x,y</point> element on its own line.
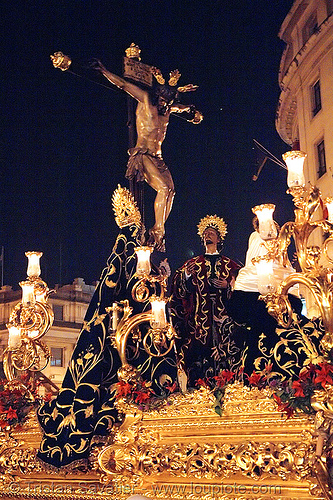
<point>64,139</point>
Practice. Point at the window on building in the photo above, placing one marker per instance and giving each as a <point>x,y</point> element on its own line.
<point>310,28</point>
<point>321,158</point>
<point>57,356</point>
<point>58,312</point>
<point>316,98</point>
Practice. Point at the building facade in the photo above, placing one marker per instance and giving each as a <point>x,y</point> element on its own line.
<point>69,305</point>
<point>305,111</point>
<point>304,117</point>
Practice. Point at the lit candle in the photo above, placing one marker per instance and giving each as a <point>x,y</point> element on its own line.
<point>14,337</point>
<point>266,279</point>
<point>158,312</point>
<point>28,295</point>
<point>294,161</point>
<point>33,264</point>
<point>267,226</point>
<point>143,264</point>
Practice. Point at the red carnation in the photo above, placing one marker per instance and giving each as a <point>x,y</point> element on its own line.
<point>305,374</point>
<point>283,407</point>
<point>324,375</point>
<point>202,383</point>
<point>227,375</point>
<point>10,413</point>
<point>297,386</point>
<point>123,389</point>
<point>142,397</point>
<point>254,379</point>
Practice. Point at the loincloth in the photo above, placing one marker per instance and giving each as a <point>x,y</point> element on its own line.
<point>135,163</point>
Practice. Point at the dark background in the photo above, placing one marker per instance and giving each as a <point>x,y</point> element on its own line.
<point>64,139</point>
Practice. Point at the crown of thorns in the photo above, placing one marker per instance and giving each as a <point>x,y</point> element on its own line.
<point>215,222</point>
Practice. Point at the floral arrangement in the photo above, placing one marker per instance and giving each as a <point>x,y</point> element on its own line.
<point>15,404</point>
<point>290,395</point>
<point>141,393</point>
<point>217,385</point>
<point>295,395</point>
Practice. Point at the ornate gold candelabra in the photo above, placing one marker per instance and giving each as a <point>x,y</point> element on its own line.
<point>29,321</point>
<point>158,341</point>
<point>315,275</point>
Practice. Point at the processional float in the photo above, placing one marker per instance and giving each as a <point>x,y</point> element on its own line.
<point>179,447</point>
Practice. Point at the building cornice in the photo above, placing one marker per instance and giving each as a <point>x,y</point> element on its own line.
<point>287,105</point>
<point>293,16</point>
<point>285,116</point>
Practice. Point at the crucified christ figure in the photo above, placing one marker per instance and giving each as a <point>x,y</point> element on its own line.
<point>152,118</point>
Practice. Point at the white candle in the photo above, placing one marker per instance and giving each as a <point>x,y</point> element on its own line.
<point>266,279</point>
<point>28,295</point>
<point>158,312</point>
<point>14,337</point>
<point>294,161</point>
<point>267,226</point>
<point>33,264</point>
<point>143,264</point>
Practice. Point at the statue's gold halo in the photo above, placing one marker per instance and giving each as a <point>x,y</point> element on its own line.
<point>212,221</point>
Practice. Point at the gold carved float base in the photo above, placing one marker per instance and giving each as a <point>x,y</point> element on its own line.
<point>182,450</point>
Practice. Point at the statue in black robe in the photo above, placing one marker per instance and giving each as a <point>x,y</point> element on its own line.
<point>84,412</point>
